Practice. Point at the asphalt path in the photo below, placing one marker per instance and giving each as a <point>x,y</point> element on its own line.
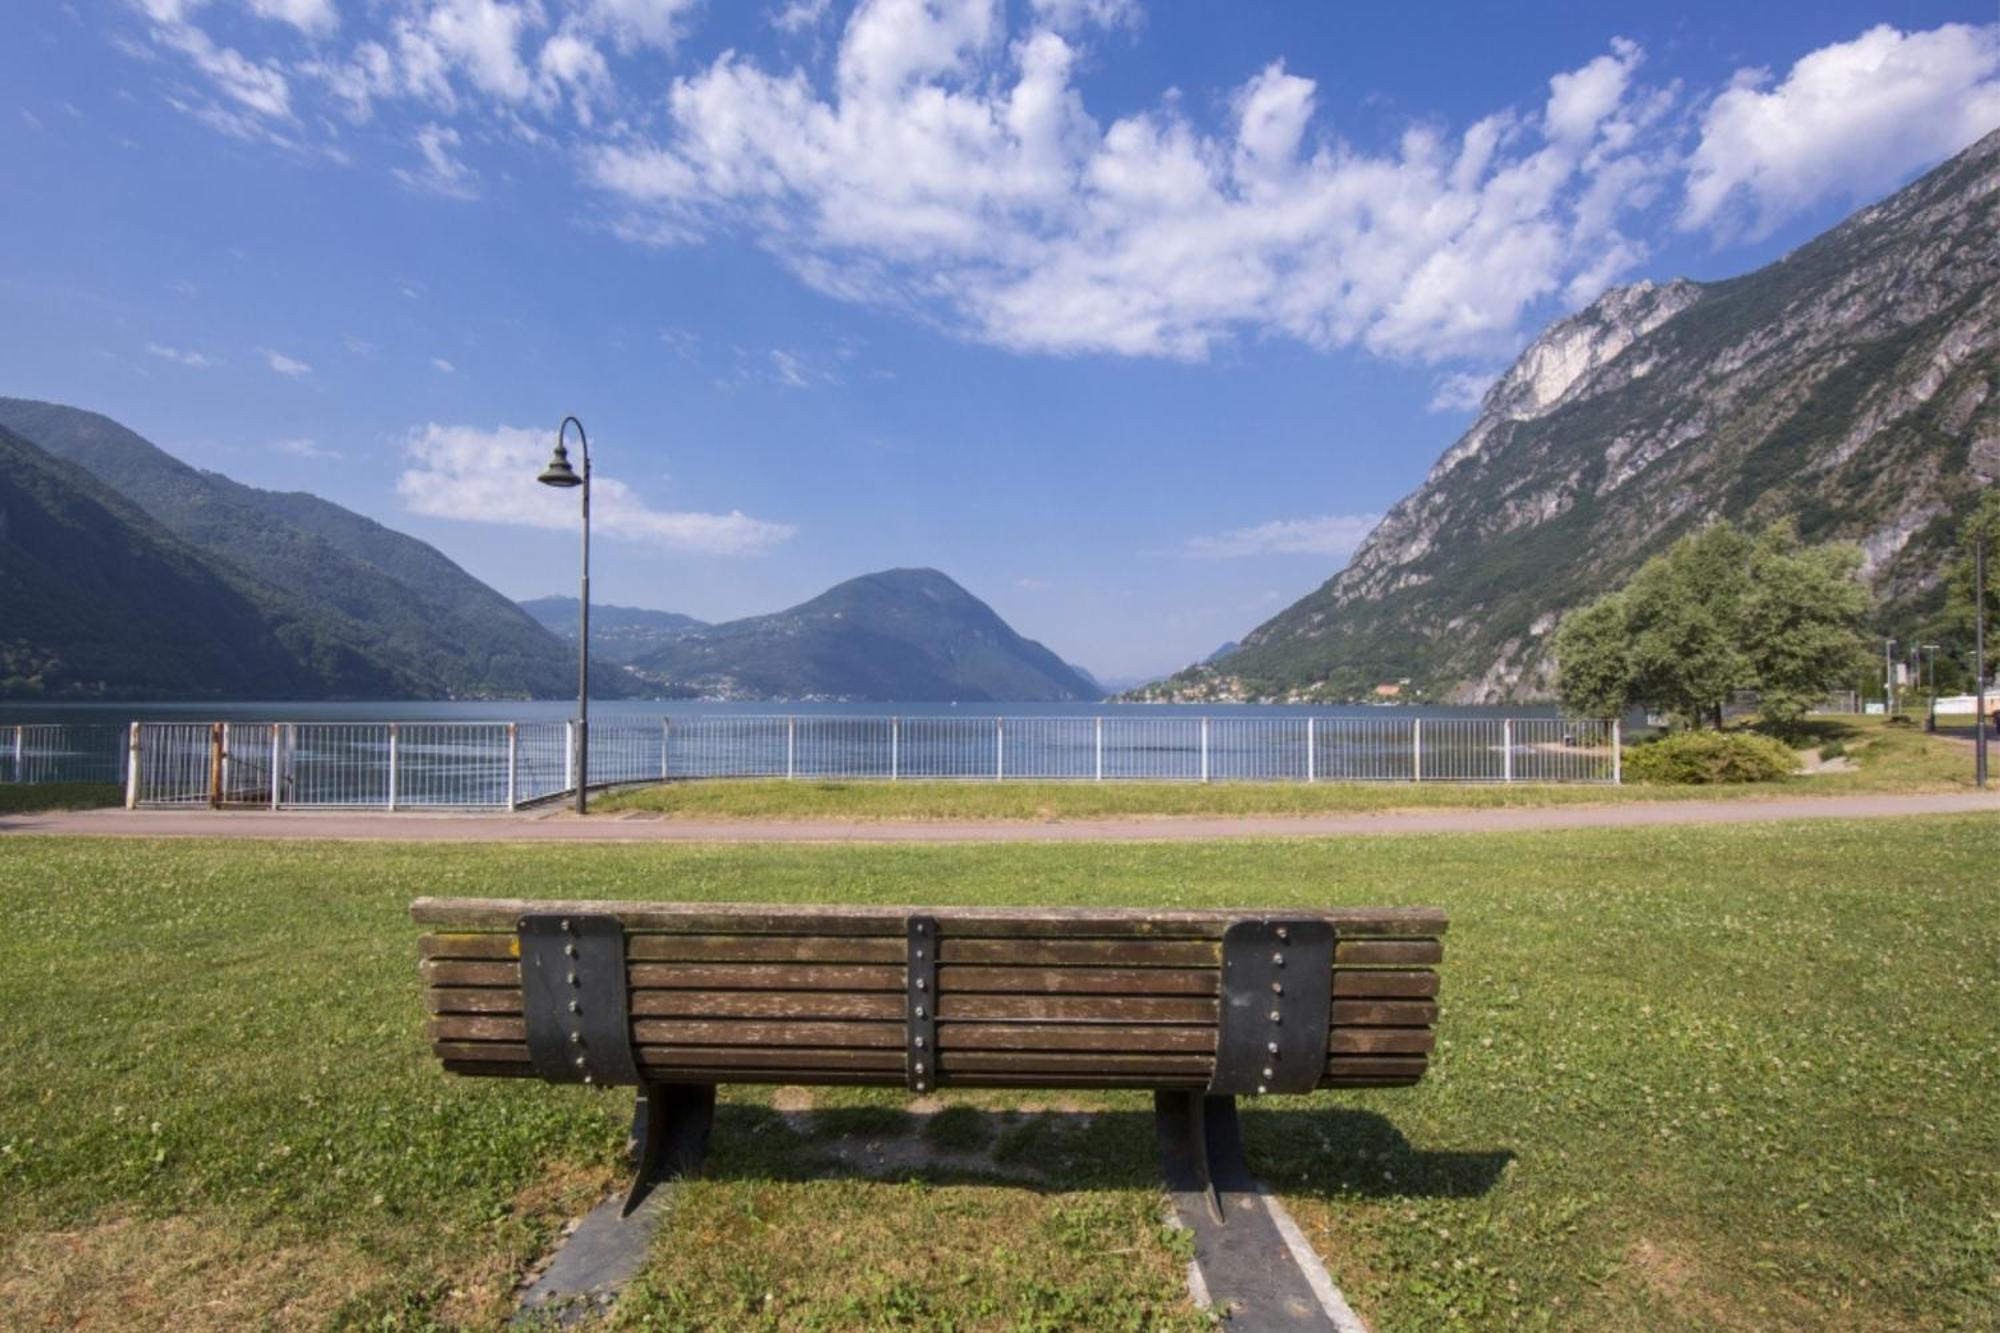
<point>636,826</point>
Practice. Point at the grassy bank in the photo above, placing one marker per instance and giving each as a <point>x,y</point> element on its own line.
<point>1884,758</point>
<point>1730,1077</point>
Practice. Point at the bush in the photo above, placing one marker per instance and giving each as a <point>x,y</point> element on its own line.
<point>1833,750</point>
<point>1700,757</point>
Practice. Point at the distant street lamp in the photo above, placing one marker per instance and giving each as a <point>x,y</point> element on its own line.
<point>1979,657</point>
<point>560,473</point>
<point>1929,650</point>
<point>1888,677</point>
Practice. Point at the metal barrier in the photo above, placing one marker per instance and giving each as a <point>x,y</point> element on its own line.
<point>503,765</point>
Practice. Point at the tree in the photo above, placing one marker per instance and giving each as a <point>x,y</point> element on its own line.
<point>1802,613</point>
<point>1593,671</point>
<point>1683,617</point>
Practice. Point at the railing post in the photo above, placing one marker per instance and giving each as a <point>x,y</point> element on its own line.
<point>666,739</point>
<point>277,760</point>
<point>791,747</point>
<point>895,747</point>
<point>20,748</point>
<point>392,765</point>
<point>1617,753</point>
<point>513,764</point>
<point>999,749</point>
<point>132,770</point>
<point>1312,749</point>
<point>1100,748</point>
<point>1416,749</point>
<point>569,756</point>
<point>215,765</point>
<point>1506,749</point>
<point>1204,749</point>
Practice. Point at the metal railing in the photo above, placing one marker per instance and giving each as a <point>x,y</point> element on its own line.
<point>62,752</point>
<point>503,765</point>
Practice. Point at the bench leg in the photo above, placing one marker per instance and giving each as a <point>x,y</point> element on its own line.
<point>1201,1146</point>
<point>670,1128</point>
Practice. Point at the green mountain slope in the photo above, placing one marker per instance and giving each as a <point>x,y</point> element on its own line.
<point>618,634</point>
<point>908,635</point>
<point>345,583</point>
<point>99,600</point>
<point>1853,386</point>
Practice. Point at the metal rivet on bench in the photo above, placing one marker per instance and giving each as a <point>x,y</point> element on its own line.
<point>920,1011</point>
<point>1284,932</point>
<point>567,927</point>
<point>572,978</point>
<point>1277,1017</point>
<point>1277,988</point>
<point>1261,1089</point>
<point>576,1039</point>
<point>575,1007</point>
<point>1272,1047</point>
<point>581,1062</point>
<point>920,983</point>
<point>920,1066</point>
<point>920,1043</point>
<point>1268,1073</point>
<point>1277,960</point>
<point>570,949</point>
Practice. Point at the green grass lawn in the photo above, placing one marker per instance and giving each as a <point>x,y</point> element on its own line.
<point>24,798</point>
<point>1730,1077</point>
<point>1886,758</point>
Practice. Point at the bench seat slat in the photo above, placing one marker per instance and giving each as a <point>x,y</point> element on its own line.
<point>964,922</point>
<point>1359,983</point>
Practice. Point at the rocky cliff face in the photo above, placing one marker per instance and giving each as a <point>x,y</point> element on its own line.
<point>1853,386</point>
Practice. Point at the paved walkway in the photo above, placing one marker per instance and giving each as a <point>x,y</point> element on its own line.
<point>552,826</point>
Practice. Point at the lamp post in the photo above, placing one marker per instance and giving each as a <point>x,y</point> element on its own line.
<point>1888,678</point>
<point>1929,651</point>
<point>560,473</point>
<point>1979,657</point>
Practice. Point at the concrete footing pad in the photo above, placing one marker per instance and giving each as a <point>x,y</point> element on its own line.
<point>591,1269</point>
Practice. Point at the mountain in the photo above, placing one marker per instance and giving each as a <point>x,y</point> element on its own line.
<point>909,635</point>
<point>363,611</point>
<point>101,600</point>
<point>1852,386</point>
<point>618,634</point>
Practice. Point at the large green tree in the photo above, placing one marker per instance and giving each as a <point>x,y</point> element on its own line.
<point>1715,613</point>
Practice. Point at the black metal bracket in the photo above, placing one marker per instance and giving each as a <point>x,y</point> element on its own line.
<point>1201,1146</point>
<point>1277,1005</point>
<point>920,1015</point>
<point>573,998</point>
<point>671,1123</point>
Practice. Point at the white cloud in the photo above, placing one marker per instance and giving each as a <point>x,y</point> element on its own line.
<point>284,365</point>
<point>1848,121</point>
<point>958,175</point>
<point>442,172</point>
<point>312,17</point>
<point>1461,392</point>
<point>1031,585</point>
<point>304,448</point>
<point>788,369</point>
<point>440,364</point>
<point>464,472</point>
<point>180,356</point>
<point>800,15</point>
<point>1071,15</point>
<point>1328,535</point>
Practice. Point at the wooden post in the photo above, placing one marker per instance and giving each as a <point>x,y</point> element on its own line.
<point>392,765</point>
<point>215,765</point>
<point>1312,749</point>
<point>132,770</point>
<point>1507,749</point>
<point>1204,749</point>
<point>1416,749</point>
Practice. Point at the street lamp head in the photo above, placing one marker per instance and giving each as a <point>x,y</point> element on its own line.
<point>559,472</point>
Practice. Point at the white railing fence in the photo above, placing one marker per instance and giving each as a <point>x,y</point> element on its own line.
<point>503,765</point>
<point>62,752</point>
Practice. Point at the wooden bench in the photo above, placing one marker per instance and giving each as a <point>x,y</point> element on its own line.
<point>674,998</point>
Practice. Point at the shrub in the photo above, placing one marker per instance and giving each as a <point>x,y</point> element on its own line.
<point>1833,750</point>
<point>1699,757</point>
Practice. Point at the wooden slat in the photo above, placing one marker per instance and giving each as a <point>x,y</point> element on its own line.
<point>1075,953</point>
<point>1072,1009</point>
<point>956,979</point>
<point>1356,983</point>
<point>470,974</point>
<point>482,1052</point>
<point>764,976</point>
<point>1378,1066</point>
<point>469,1000</point>
<point>766,1004</point>
<point>483,945</point>
<point>961,922</point>
<point>1080,1065</point>
<point>1380,1041</point>
<point>653,947</point>
<point>768,1057</point>
<point>1384,1013</point>
<point>1350,953</point>
<point>1074,1037</point>
<point>710,1032</point>
<point>477,1027</point>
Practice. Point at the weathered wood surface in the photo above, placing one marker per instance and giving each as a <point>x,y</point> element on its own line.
<point>1058,998</point>
<point>967,922</point>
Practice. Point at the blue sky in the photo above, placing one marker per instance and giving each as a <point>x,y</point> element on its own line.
<point>1130,317</point>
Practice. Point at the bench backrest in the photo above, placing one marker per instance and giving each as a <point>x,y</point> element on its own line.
<point>1278,1000</point>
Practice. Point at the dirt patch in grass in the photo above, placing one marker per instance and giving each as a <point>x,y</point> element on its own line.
<point>176,1272</point>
